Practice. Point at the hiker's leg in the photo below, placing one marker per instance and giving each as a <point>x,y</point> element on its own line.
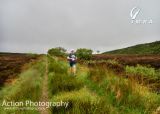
<point>74,69</point>
<point>70,70</point>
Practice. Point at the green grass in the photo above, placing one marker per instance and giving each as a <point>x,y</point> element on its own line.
<point>63,83</point>
<point>133,97</point>
<point>59,79</point>
<point>142,70</point>
<point>97,90</point>
<point>26,87</point>
<point>80,102</point>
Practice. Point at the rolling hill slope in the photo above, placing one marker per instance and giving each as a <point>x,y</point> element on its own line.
<point>147,48</point>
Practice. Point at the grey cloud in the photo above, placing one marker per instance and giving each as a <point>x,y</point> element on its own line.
<point>36,25</point>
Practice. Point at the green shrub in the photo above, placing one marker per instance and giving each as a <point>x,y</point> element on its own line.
<point>58,51</point>
<point>84,54</point>
<point>141,70</point>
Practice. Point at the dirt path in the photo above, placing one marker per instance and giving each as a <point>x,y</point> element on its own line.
<point>44,96</point>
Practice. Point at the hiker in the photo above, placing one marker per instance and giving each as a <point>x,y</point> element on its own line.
<point>72,62</point>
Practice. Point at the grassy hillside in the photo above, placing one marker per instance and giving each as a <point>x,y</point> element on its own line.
<point>147,48</point>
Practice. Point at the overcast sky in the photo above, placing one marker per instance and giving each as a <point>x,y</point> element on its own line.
<point>37,25</point>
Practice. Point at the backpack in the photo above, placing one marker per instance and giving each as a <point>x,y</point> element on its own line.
<point>72,57</point>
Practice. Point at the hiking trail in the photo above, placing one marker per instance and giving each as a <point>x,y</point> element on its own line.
<point>44,97</point>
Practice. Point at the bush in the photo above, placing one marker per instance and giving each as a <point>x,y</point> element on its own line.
<point>84,53</point>
<point>58,51</point>
<point>141,70</point>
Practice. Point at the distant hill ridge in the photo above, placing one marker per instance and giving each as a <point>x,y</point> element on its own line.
<point>147,48</point>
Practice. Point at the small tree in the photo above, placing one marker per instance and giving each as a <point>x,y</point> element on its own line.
<point>84,53</point>
<point>98,51</point>
<point>58,51</point>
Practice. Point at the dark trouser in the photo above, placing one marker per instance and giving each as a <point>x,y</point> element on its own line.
<point>72,64</point>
